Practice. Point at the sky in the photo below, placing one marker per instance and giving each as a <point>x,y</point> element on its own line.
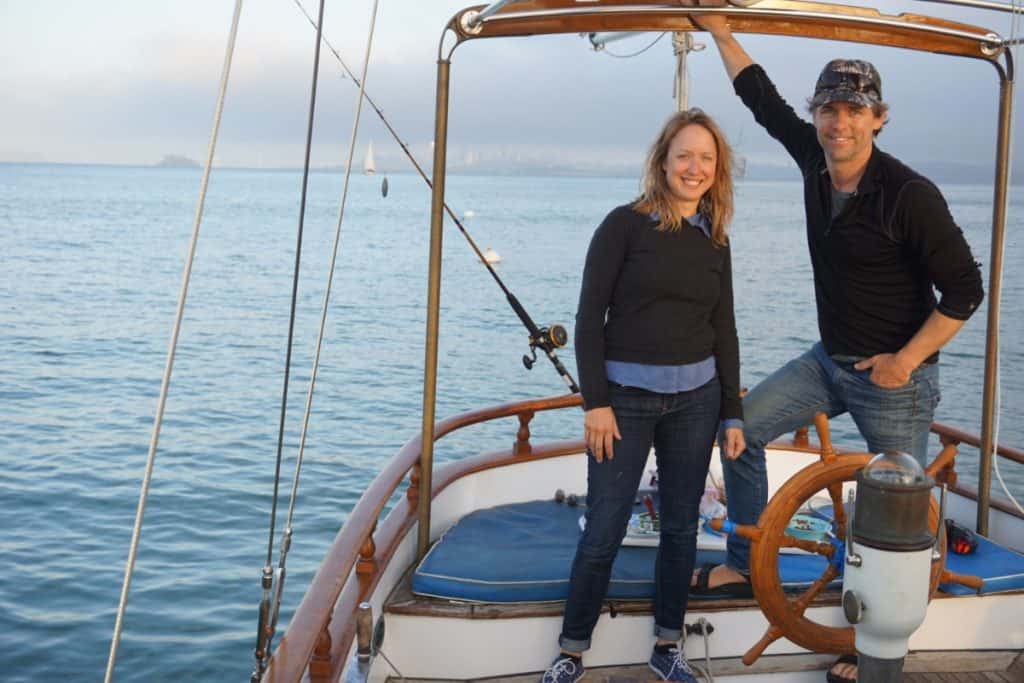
<point>127,82</point>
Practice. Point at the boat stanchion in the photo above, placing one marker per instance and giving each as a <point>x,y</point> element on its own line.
<point>888,563</point>
<point>364,630</point>
<point>359,667</point>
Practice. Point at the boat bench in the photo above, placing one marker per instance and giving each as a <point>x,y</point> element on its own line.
<point>523,553</point>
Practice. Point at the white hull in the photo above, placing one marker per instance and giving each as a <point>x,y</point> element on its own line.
<point>461,648</point>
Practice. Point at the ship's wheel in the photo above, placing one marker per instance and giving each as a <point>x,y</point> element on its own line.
<point>785,613</point>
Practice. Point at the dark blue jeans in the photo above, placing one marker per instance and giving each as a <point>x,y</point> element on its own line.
<point>888,419</point>
<point>682,429</point>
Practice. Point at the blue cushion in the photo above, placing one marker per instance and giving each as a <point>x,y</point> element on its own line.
<point>1000,569</point>
<point>523,553</point>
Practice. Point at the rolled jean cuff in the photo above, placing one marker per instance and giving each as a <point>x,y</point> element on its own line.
<point>673,634</point>
<point>570,645</point>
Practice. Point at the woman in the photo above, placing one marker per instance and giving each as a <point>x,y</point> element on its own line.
<point>658,359</point>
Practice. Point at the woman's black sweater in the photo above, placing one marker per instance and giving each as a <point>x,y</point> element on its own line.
<point>655,297</point>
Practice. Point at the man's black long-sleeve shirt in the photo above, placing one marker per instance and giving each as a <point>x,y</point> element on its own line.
<point>876,263</point>
<point>655,297</point>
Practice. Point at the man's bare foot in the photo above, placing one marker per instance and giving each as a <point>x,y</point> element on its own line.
<point>711,581</point>
<point>844,670</point>
<point>719,576</point>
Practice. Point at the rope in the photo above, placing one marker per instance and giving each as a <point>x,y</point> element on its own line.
<point>172,346</point>
<point>638,52</point>
<point>703,627</point>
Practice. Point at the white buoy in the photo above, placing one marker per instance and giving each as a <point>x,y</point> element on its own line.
<point>491,256</point>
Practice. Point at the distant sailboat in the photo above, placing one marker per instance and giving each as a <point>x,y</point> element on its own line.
<point>369,163</point>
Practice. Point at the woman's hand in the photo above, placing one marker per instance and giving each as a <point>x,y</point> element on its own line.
<point>733,444</point>
<point>600,430</point>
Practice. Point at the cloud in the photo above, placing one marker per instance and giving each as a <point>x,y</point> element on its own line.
<point>136,96</point>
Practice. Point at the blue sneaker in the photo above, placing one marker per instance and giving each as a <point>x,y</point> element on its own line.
<point>564,669</point>
<point>671,666</point>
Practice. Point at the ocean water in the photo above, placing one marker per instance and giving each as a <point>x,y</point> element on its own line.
<point>92,260</point>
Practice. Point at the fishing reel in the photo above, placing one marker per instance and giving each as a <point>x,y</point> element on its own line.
<point>546,339</point>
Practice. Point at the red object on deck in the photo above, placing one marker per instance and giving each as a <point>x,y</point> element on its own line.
<point>649,503</point>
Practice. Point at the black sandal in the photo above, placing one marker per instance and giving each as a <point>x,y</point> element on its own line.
<point>733,589</point>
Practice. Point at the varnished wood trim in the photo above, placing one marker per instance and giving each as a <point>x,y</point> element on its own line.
<point>770,17</point>
<point>293,653</point>
<point>959,436</point>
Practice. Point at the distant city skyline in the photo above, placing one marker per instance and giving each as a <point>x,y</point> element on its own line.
<point>129,83</point>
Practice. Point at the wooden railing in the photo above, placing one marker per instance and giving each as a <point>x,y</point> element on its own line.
<point>952,436</point>
<point>321,632</point>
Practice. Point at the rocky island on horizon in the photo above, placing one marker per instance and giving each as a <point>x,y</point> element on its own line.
<point>177,161</point>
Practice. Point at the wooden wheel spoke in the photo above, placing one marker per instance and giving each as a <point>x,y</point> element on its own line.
<point>747,531</point>
<point>828,454</point>
<point>944,458</point>
<point>770,636</point>
<point>835,492</point>
<point>801,603</point>
<point>815,547</point>
<point>968,580</point>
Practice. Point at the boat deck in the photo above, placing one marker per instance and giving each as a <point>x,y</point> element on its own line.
<point>1002,666</point>
<point>958,666</point>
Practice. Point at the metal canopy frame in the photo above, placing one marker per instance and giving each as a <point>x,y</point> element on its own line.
<point>769,17</point>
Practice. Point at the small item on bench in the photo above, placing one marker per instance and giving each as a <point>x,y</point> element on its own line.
<point>649,504</point>
<point>961,540</point>
<point>711,508</point>
<point>808,527</point>
<point>571,499</point>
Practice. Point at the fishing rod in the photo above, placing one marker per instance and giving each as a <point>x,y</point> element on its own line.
<point>545,339</point>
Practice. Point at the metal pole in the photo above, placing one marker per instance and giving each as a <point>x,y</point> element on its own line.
<point>995,279</point>
<point>879,670</point>
<point>433,309</point>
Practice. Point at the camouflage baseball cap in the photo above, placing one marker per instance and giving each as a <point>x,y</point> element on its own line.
<point>848,80</point>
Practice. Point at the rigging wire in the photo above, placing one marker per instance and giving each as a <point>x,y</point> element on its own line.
<point>539,337</point>
<point>1014,42</point>
<point>638,52</point>
<point>330,279</point>
<point>172,346</point>
<point>265,627</point>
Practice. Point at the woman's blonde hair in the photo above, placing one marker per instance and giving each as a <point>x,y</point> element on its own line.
<point>716,205</point>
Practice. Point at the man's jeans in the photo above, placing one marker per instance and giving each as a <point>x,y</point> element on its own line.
<point>888,419</point>
<point>682,429</point>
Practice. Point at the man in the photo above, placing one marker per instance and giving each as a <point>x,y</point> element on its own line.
<point>880,238</point>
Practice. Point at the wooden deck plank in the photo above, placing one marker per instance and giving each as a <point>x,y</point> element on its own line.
<point>1001,666</point>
